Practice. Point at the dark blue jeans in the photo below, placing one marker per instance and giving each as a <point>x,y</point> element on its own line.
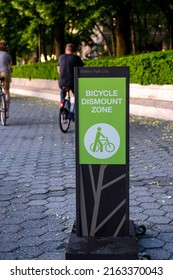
<point>62,94</point>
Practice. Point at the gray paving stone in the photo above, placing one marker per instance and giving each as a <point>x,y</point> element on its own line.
<point>34,224</point>
<point>29,253</point>
<point>52,256</point>
<point>52,246</point>
<point>139,216</point>
<point>166,208</point>
<point>169,215</point>
<point>169,247</point>
<point>53,236</point>
<point>10,228</point>
<point>145,199</point>
<point>5,203</point>
<point>8,256</point>
<point>38,191</point>
<point>14,220</point>
<point>154,212</point>
<point>167,237</point>
<point>8,247</point>
<point>148,205</point>
<point>16,207</point>
<point>159,219</point>
<point>11,237</point>
<point>158,254</point>
<point>37,202</point>
<point>30,241</point>
<point>20,200</point>
<point>28,232</point>
<point>163,228</point>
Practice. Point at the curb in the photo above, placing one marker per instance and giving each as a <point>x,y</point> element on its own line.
<point>46,89</point>
<point>151,100</point>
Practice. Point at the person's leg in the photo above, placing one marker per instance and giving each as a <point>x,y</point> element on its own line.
<point>7,91</point>
<point>62,94</point>
<point>7,99</point>
<point>73,106</point>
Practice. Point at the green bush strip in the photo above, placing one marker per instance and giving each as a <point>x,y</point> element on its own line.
<point>145,69</point>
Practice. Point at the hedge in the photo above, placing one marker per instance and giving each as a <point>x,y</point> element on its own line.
<point>148,68</point>
<point>44,70</point>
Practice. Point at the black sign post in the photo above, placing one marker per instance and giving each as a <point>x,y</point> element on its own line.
<point>102,229</point>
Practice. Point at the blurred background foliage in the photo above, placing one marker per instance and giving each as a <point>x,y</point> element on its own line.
<point>35,28</point>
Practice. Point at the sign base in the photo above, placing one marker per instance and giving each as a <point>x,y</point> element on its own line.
<point>102,248</point>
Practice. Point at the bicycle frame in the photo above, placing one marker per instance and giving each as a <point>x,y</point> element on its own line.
<point>104,140</point>
<point>65,114</point>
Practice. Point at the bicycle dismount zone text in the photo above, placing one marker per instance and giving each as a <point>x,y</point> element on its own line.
<point>102,103</point>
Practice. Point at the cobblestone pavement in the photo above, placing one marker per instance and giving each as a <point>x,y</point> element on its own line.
<point>37,183</point>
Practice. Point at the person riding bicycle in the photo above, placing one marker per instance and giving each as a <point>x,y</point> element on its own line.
<point>5,71</point>
<point>65,68</point>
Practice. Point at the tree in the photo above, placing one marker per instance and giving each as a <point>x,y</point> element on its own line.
<point>11,27</point>
<point>44,26</point>
<point>54,16</point>
<point>32,33</point>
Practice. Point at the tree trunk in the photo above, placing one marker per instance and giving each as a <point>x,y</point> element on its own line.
<point>170,27</point>
<point>123,32</point>
<point>44,45</point>
<point>113,35</point>
<point>13,56</point>
<point>59,39</point>
<point>39,43</point>
<point>133,41</point>
<point>113,38</point>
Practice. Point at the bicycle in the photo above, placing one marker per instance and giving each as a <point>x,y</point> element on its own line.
<point>65,113</point>
<point>109,147</point>
<point>2,103</point>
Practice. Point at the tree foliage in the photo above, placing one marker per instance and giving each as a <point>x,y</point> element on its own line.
<point>35,27</point>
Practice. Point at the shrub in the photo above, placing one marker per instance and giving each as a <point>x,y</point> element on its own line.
<point>46,70</point>
<point>148,68</point>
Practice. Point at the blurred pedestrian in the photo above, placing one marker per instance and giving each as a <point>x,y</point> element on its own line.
<point>5,71</point>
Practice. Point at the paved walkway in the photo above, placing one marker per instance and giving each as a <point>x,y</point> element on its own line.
<point>37,183</point>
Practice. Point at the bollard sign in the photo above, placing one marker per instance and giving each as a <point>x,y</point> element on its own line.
<point>102,229</point>
<point>102,120</point>
<point>102,150</point>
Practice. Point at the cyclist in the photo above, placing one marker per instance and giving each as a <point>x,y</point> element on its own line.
<point>65,68</point>
<point>5,71</point>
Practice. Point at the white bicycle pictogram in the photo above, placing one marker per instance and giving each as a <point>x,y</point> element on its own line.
<point>102,141</point>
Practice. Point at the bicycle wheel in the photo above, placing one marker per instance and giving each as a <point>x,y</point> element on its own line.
<point>64,121</point>
<point>92,147</point>
<point>3,109</point>
<point>110,147</point>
